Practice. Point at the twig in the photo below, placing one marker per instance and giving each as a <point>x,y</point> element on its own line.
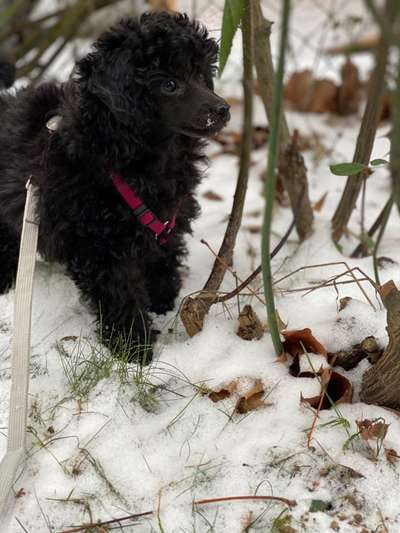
<point>291,163</point>
<point>314,422</point>
<point>385,219</point>
<point>365,140</point>
<point>107,522</point>
<point>360,249</point>
<point>289,503</point>
<point>193,311</point>
<point>348,271</point>
<point>332,283</point>
<point>243,284</point>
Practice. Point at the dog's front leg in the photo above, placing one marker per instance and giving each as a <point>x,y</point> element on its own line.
<point>163,282</point>
<point>9,248</point>
<point>116,291</point>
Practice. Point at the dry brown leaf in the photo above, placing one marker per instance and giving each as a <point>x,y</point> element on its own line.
<point>280,192</point>
<point>254,229</point>
<point>299,89</point>
<point>250,326</point>
<point>21,492</point>
<point>193,312</point>
<point>391,455</point>
<point>387,105</point>
<point>225,392</point>
<point>349,92</point>
<point>333,385</point>
<point>213,196</point>
<point>372,429</point>
<point>296,339</point>
<point>344,302</point>
<point>320,203</point>
<point>307,94</point>
<point>253,399</point>
<point>260,136</point>
<point>340,389</point>
<point>324,98</point>
<point>230,141</point>
<point>387,288</point>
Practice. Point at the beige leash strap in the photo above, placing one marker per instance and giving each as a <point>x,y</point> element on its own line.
<point>16,445</point>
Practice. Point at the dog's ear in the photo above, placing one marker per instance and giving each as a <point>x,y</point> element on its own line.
<point>106,79</point>
<point>109,74</point>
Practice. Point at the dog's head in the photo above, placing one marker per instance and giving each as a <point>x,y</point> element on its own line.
<point>155,74</point>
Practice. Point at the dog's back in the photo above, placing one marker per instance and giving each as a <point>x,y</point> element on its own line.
<point>23,142</point>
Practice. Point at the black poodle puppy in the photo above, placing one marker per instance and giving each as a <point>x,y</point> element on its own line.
<point>118,173</point>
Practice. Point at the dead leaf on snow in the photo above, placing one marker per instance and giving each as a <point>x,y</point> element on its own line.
<point>349,93</point>
<point>260,136</point>
<point>213,196</point>
<point>230,141</point>
<point>296,339</point>
<point>334,387</point>
<point>344,302</point>
<point>324,97</point>
<point>391,455</point>
<point>298,90</point>
<point>223,393</point>
<point>251,400</point>
<point>307,94</point>
<point>250,326</point>
<point>254,229</point>
<point>320,203</point>
<point>310,95</point>
<point>372,429</point>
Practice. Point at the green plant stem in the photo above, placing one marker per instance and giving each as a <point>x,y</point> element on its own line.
<point>270,183</point>
<point>361,250</point>
<point>395,136</point>
<point>388,209</point>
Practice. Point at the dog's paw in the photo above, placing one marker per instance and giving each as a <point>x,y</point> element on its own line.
<point>160,308</point>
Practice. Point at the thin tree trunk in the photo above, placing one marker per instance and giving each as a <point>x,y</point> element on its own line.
<point>194,310</point>
<point>381,383</point>
<point>366,136</point>
<point>291,163</point>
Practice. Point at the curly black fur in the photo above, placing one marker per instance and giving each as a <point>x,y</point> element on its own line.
<point>7,73</point>
<point>120,113</point>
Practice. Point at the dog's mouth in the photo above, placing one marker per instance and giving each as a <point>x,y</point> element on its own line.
<point>209,130</point>
<point>209,127</point>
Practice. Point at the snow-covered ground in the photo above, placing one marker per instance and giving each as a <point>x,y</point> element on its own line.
<point>141,440</point>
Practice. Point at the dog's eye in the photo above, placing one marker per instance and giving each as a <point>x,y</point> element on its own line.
<point>169,86</point>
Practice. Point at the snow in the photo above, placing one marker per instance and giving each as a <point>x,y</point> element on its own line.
<point>131,447</point>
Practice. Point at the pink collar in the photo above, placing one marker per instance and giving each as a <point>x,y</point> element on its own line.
<point>145,216</point>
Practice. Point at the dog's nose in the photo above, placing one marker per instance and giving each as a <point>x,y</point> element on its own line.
<point>223,111</point>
